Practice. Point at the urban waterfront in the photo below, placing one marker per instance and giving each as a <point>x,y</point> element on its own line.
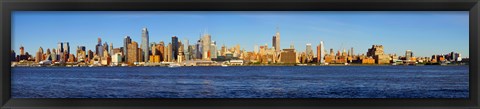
<point>242,82</point>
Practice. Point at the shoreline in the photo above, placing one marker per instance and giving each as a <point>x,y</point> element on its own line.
<point>253,65</point>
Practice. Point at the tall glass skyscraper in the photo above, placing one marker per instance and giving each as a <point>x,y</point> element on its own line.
<point>127,40</point>
<point>175,47</point>
<point>144,45</point>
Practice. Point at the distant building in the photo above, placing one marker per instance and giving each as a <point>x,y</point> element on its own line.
<point>288,56</point>
<point>116,59</point>
<point>320,53</point>
<point>206,40</point>
<point>145,46</point>
<point>175,47</point>
<point>126,41</point>
<point>408,55</point>
<point>132,52</point>
<point>277,41</point>
<point>377,53</point>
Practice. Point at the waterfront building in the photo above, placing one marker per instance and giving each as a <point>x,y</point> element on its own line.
<point>127,40</point>
<point>99,48</point>
<point>175,47</point>
<point>169,53</point>
<point>106,59</point>
<point>320,53</point>
<point>54,55</point>
<point>206,40</point>
<point>39,55</point>
<point>90,55</point>
<point>145,47</point>
<point>198,54</point>
<point>116,58</point>
<point>22,50</point>
<point>351,52</point>
<point>377,53</point>
<point>186,49</point>
<point>60,48</point>
<point>111,49</point>
<point>368,60</point>
<point>213,50</point>
<point>181,55</point>
<point>408,55</point>
<point>288,56</point>
<point>66,47</point>
<point>161,50</point>
<point>331,52</point>
<point>132,52</point>
<point>81,54</point>
<point>277,41</point>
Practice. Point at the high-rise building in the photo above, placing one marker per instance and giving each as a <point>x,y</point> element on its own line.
<point>206,40</point>
<point>308,49</point>
<point>22,50</point>
<point>105,48</point>
<point>213,50</point>
<point>132,52</point>
<point>66,47</point>
<point>288,56</point>
<point>99,48</point>
<point>351,52</point>
<point>175,47</point>
<point>161,50</point>
<point>377,53</point>
<point>145,46</point>
<point>320,53</point>
<point>53,55</point>
<point>169,52</point>
<point>127,40</point>
<point>198,47</point>
<point>60,47</point>
<point>111,49</point>
<point>274,42</point>
<point>408,54</point>
<point>187,49</point>
<point>277,41</point>
<point>331,52</point>
<point>39,55</point>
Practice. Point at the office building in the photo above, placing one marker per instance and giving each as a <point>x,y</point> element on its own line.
<point>127,40</point>
<point>145,46</point>
<point>175,47</point>
<point>132,52</point>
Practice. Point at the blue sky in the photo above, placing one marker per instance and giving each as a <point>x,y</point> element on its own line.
<point>423,32</point>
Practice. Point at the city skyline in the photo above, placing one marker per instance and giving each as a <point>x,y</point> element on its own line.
<point>449,39</point>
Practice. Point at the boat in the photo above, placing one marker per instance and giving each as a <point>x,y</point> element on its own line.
<point>173,65</point>
<point>223,65</point>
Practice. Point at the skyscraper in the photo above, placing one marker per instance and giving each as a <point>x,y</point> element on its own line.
<point>186,49</point>
<point>66,47</point>
<point>320,53</point>
<point>145,47</point>
<point>132,52</point>
<point>111,49</point>
<point>274,42</point>
<point>213,50</point>
<point>308,49</point>
<point>206,40</point>
<point>198,54</point>
<point>99,48</point>
<point>127,40</point>
<point>277,41</point>
<point>60,47</point>
<point>408,54</point>
<point>175,47</point>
